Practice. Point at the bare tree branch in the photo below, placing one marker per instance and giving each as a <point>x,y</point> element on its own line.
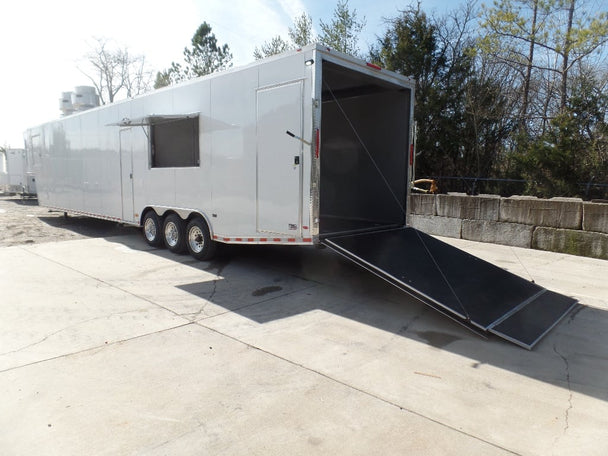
<point>113,71</point>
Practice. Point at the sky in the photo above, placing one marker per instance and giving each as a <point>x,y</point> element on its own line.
<point>42,42</point>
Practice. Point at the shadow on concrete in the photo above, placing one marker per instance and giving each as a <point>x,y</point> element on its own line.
<point>87,226</point>
<point>574,355</point>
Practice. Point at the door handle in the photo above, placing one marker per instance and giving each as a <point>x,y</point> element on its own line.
<point>298,138</point>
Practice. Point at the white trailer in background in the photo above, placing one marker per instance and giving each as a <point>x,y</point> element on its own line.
<point>3,172</point>
<point>17,174</point>
<point>308,147</point>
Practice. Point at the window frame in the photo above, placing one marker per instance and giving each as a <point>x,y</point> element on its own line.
<point>153,142</point>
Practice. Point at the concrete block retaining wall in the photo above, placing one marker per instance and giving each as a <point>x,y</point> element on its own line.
<point>566,225</point>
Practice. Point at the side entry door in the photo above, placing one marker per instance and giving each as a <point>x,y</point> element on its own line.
<point>279,159</point>
<point>126,173</point>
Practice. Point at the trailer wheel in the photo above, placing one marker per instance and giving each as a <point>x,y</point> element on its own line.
<point>198,240</point>
<point>152,228</point>
<point>173,233</point>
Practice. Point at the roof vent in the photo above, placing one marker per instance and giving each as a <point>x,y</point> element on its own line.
<point>65,104</point>
<point>81,99</point>
<point>84,97</point>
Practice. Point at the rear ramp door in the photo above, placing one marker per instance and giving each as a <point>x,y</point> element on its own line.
<point>478,294</point>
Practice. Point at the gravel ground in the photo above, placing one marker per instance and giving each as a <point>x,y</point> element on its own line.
<point>23,221</point>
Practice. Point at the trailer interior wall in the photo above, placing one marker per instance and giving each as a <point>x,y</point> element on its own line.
<point>364,148</point>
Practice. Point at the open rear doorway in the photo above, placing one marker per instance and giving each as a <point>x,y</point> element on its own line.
<point>365,126</point>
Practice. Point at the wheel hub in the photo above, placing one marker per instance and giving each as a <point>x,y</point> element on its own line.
<point>150,229</point>
<point>195,239</point>
<point>171,234</point>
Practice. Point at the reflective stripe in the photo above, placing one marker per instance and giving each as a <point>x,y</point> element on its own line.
<point>291,240</point>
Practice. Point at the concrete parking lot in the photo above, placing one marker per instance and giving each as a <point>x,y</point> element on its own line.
<point>109,347</point>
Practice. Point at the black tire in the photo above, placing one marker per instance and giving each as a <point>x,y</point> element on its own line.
<point>198,240</point>
<point>152,229</point>
<point>174,233</point>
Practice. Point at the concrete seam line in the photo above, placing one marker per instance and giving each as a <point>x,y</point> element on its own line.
<point>99,347</point>
<point>354,388</point>
<point>38,342</point>
<point>104,282</point>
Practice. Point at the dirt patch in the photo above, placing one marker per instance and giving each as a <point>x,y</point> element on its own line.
<point>23,221</point>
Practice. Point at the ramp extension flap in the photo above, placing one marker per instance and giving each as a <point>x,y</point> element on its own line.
<point>476,293</point>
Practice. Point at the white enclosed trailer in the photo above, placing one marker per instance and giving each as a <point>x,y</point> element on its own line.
<point>18,175</point>
<point>309,147</point>
<point>240,150</point>
<point>3,171</point>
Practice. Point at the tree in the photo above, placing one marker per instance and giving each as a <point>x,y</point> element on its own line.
<point>113,70</point>
<point>275,46</point>
<point>459,105</point>
<point>163,79</point>
<point>577,37</point>
<point>342,33</point>
<point>300,34</point>
<point>410,47</point>
<point>514,29</point>
<point>542,40</point>
<point>139,78</point>
<point>551,48</point>
<point>574,150</point>
<point>205,56</point>
<point>475,92</point>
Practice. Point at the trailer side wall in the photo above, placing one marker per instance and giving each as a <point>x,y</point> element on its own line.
<point>99,162</point>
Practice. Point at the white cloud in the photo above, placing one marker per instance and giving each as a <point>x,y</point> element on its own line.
<point>249,23</point>
<point>292,8</point>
